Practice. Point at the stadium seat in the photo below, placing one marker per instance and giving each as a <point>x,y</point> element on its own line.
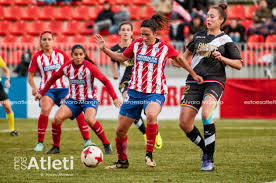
<point>23,2</point>
<point>137,27</point>
<point>249,58</point>
<point>148,12</point>
<point>141,2</point>
<point>270,41</point>
<point>165,38</point>
<point>135,12</point>
<point>48,13</point>
<point>5,27</point>
<point>7,2</point>
<point>13,13</point>
<point>55,26</point>
<point>61,39</point>
<point>265,57</point>
<point>65,13</point>
<point>112,39</point>
<point>72,27</point>
<point>27,39</point>
<point>85,30</point>
<point>20,27</point>
<point>186,31</point>
<point>237,12</point>
<point>251,11</point>
<point>37,27</point>
<point>31,13</point>
<point>8,41</point>
<point>123,2</point>
<point>89,2</point>
<point>79,39</point>
<point>83,13</point>
<point>246,24</point>
<point>96,10</point>
<point>2,12</point>
<point>254,41</point>
<point>115,8</point>
<point>92,43</point>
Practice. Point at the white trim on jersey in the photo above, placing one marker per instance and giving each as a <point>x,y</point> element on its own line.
<point>81,87</point>
<point>71,74</point>
<point>89,86</point>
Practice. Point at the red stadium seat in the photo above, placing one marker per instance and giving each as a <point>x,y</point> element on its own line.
<point>9,39</point>
<point>270,41</point>
<point>186,31</point>
<point>23,2</point>
<point>165,38</point>
<point>13,13</point>
<point>135,12</point>
<point>116,8</point>
<point>55,26</point>
<point>31,13</point>
<point>89,2</point>
<point>148,12</point>
<point>20,27</point>
<point>5,27</point>
<point>27,39</point>
<point>123,2</point>
<point>79,39</point>
<point>113,39</point>
<point>246,24</point>
<point>37,27</point>
<point>72,27</point>
<point>85,30</point>
<point>61,39</point>
<point>249,58</point>
<point>96,11</point>
<point>2,13</point>
<point>137,27</point>
<point>141,2</point>
<point>65,13</point>
<point>7,2</point>
<point>254,41</point>
<point>251,11</point>
<point>237,12</point>
<point>83,13</point>
<point>48,13</point>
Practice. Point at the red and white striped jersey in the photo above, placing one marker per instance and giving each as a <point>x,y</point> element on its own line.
<point>47,65</point>
<point>147,74</point>
<point>81,80</point>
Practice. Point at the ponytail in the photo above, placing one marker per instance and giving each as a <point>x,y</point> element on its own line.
<point>156,22</point>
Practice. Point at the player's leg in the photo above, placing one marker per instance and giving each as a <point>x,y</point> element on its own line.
<point>63,113</point>
<point>46,105</point>
<point>10,116</point>
<point>84,129</point>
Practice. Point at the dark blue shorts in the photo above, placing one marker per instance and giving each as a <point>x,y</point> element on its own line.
<point>137,101</point>
<point>57,94</point>
<point>78,106</point>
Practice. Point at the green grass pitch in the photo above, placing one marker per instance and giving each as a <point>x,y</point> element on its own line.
<point>245,152</point>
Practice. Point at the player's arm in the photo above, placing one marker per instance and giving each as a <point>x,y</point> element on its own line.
<point>7,73</point>
<point>114,69</point>
<point>99,75</point>
<point>120,57</point>
<point>32,83</point>
<point>234,63</point>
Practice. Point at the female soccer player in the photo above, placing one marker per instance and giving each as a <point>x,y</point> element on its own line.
<point>47,61</point>
<point>81,73</point>
<point>4,100</point>
<point>212,50</point>
<point>126,33</point>
<point>147,87</point>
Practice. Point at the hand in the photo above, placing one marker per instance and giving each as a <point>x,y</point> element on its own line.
<point>7,83</point>
<point>198,79</point>
<point>117,103</point>
<point>115,76</point>
<point>217,55</point>
<point>174,63</point>
<point>34,91</point>
<point>37,96</point>
<point>100,41</point>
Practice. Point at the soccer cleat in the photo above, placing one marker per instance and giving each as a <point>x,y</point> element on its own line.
<point>53,150</point>
<point>14,133</point>
<point>118,164</point>
<point>87,142</point>
<point>107,149</point>
<point>149,161</point>
<point>39,147</point>
<point>145,138</point>
<point>207,165</point>
<point>158,141</point>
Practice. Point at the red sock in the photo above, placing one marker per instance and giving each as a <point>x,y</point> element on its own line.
<point>98,129</point>
<point>121,146</point>
<point>151,132</point>
<point>42,124</point>
<point>56,133</point>
<point>83,126</point>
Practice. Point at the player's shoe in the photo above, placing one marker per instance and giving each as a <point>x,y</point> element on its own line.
<point>158,141</point>
<point>145,139</point>
<point>107,149</point>
<point>53,150</point>
<point>118,164</point>
<point>39,147</point>
<point>149,161</point>
<point>14,133</point>
<point>87,142</point>
<point>207,165</point>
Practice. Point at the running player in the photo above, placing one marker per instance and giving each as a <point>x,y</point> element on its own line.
<point>46,62</point>
<point>212,50</point>
<point>126,33</point>
<point>147,87</point>
<point>4,100</point>
<point>81,73</point>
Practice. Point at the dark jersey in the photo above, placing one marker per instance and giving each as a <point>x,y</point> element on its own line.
<point>125,67</point>
<point>204,64</point>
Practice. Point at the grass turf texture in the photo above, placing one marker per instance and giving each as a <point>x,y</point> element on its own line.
<point>245,152</point>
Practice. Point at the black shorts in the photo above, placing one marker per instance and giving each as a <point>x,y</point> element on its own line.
<point>3,95</point>
<point>194,93</point>
<point>123,86</point>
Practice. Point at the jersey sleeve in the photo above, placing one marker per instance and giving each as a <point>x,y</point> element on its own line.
<point>129,50</point>
<point>33,64</point>
<point>2,63</point>
<point>99,75</point>
<point>232,51</point>
<point>172,53</point>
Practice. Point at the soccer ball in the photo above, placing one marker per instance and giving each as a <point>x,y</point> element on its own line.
<point>91,156</point>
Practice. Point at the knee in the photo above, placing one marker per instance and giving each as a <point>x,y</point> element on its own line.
<point>185,125</point>
<point>207,118</point>
<point>45,110</point>
<point>7,109</point>
<point>58,119</point>
<point>120,133</point>
<point>151,118</point>
<point>89,120</point>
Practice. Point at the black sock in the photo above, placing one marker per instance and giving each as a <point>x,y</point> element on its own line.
<point>196,138</point>
<point>149,154</point>
<point>140,125</point>
<point>209,135</point>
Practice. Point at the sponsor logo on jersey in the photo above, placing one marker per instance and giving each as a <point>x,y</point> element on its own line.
<point>78,81</point>
<point>200,37</point>
<point>206,50</point>
<point>146,58</point>
<point>51,67</point>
